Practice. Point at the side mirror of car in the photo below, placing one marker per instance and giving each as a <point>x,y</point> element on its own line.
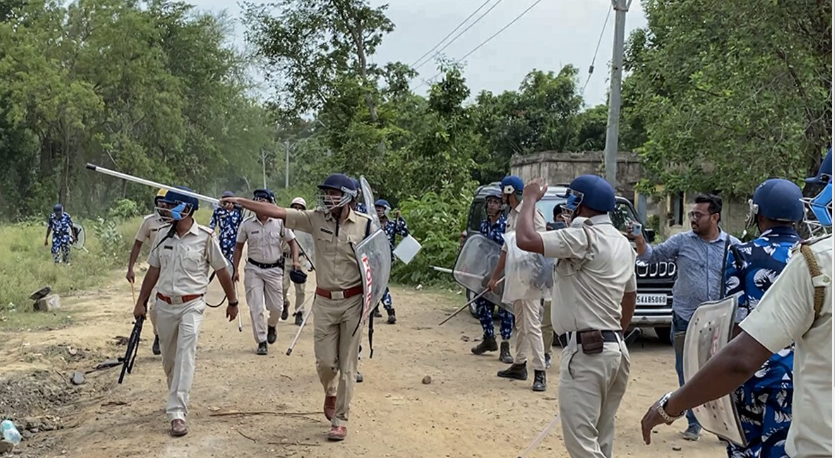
<point>650,235</point>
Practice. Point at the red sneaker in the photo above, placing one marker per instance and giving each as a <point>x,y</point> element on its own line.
<point>337,433</point>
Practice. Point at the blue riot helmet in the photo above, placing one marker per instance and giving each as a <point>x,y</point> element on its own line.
<point>818,219</point>
<point>496,195</point>
<point>776,199</point>
<point>512,184</point>
<point>358,187</point>
<point>336,182</point>
<point>384,204</point>
<point>590,191</point>
<point>58,208</point>
<point>264,194</point>
<point>824,174</point>
<point>180,205</point>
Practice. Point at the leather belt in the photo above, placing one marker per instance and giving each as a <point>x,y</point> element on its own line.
<point>176,300</point>
<point>280,263</point>
<point>608,336</point>
<point>337,295</point>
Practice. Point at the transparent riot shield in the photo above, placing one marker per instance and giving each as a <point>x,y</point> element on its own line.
<point>374,260</point>
<point>475,265</point>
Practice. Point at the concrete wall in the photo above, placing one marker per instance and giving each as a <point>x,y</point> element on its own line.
<point>561,168</point>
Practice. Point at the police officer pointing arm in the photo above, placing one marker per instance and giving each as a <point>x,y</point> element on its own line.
<point>592,302</point>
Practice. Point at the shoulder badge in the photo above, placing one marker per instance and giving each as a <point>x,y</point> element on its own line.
<point>819,280</point>
<point>206,229</point>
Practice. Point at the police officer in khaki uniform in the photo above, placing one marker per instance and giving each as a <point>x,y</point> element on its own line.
<point>264,269</point>
<point>528,319</point>
<point>593,301</point>
<point>335,227</point>
<point>148,231</point>
<point>179,263</point>
<point>297,203</point>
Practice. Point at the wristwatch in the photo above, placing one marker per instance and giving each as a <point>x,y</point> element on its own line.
<point>661,409</point>
<point>233,304</point>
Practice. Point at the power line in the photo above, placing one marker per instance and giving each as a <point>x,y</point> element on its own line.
<point>459,35</point>
<point>591,67</point>
<point>450,33</point>
<point>487,40</point>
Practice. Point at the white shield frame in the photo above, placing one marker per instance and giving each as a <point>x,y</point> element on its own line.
<point>81,236</point>
<point>710,329</point>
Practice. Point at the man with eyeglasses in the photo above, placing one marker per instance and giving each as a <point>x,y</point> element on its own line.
<point>700,256</point>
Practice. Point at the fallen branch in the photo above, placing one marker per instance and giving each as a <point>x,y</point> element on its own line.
<point>307,444</point>
<point>265,412</point>
<point>242,434</point>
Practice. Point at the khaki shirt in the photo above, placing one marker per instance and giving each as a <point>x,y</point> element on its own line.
<point>595,267</point>
<point>786,314</point>
<point>513,219</point>
<point>264,240</point>
<point>336,265</point>
<point>184,262</point>
<point>148,229</point>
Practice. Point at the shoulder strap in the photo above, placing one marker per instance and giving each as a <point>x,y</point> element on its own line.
<point>815,272</point>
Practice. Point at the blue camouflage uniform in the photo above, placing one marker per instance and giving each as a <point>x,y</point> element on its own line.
<point>764,401</point>
<point>61,236</point>
<point>494,232</point>
<point>229,222</point>
<point>362,208</point>
<point>393,228</point>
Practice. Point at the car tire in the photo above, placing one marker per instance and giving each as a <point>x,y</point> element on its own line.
<point>663,334</point>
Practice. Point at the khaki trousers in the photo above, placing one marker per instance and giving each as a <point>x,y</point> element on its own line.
<point>300,293</point>
<point>547,328</point>
<point>528,334</point>
<point>179,327</point>
<point>263,293</point>
<point>336,347</point>
<point>590,390</point>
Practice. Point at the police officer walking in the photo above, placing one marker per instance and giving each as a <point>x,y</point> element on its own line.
<point>59,224</point>
<point>525,312</point>
<point>148,231</point>
<point>392,229</point>
<point>593,301</point>
<point>764,402</point>
<point>179,263</point>
<point>226,219</point>
<point>297,203</point>
<point>264,269</point>
<point>335,227</point>
<point>493,227</point>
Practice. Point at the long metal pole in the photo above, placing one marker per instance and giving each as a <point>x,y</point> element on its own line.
<point>286,164</point>
<point>611,153</point>
<point>153,184</point>
<point>264,167</point>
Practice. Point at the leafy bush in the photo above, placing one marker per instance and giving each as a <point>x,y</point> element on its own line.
<point>436,221</point>
<point>112,242</point>
<point>123,209</point>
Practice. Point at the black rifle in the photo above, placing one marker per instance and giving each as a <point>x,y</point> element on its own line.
<point>133,348</point>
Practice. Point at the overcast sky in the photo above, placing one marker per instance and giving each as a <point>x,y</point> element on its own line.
<point>552,34</point>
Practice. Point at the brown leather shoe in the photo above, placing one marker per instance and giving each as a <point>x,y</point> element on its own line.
<point>337,433</point>
<point>178,428</point>
<point>330,407</point>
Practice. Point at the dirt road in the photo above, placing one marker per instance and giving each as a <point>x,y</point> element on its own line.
<point>465,412</point>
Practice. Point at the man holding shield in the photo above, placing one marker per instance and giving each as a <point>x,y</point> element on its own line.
<point>336,229</point>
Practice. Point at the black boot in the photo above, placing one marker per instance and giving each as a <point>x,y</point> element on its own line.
<point>539,380</point>
<point>377,313</point>
<point>359,377</point>
<point>155,347</point>
<point>299,318</point>
<point>271,335</point>
<point>285,312</point>
<point>262,349</point>
<point>504,355</point>
<point>516,371</point>
<point>487,344</point>
<point>392,317</point>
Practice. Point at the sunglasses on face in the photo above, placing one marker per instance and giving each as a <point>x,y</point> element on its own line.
<point>698,215</point>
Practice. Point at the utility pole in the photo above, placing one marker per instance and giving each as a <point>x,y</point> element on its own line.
<point>264,166</point>
<point>286,164</point>
<point>611,153</point>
